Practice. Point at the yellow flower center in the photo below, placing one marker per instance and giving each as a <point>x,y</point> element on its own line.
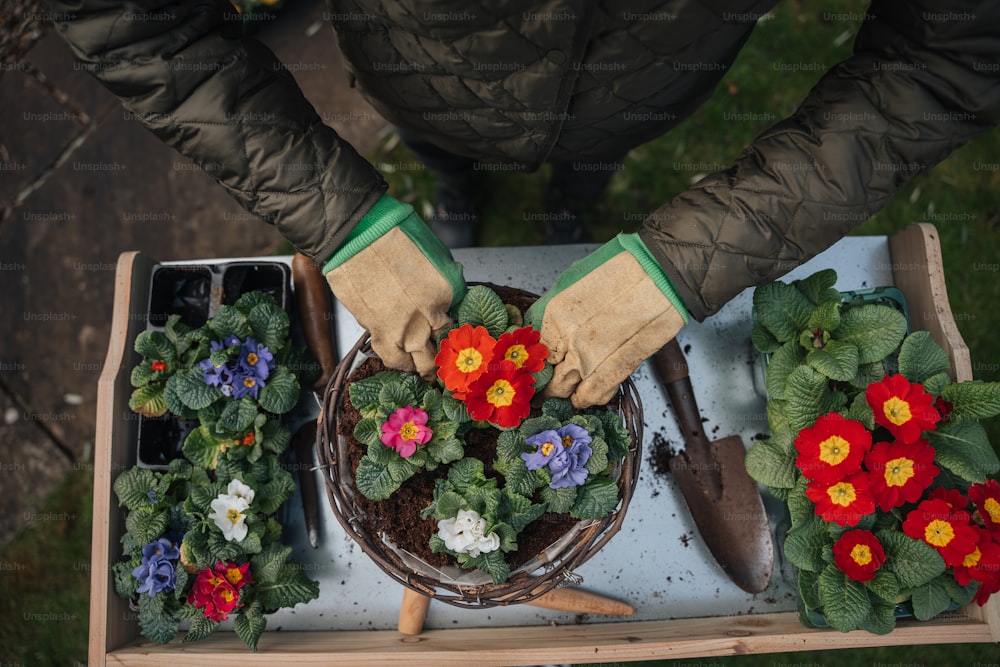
<point>897,411</point>
<point>861,554</point>
<point>898,471</point>
<point>992,507</point>
<point>833,450</point>
<point>842,494</point>
<point>517,354</point>
<point>469,360</point>
<point>233,575</point>
<point>408,431</point>
<point>501,394</point>
<point>567,441</point>
<point>215,581</point>
<point>227,595</point>
<point>249,382</point>
<point>234,516</point>
<point>252,359</point>
<point>972,559</point>
<point>939,533</point>
<point>547,448</point>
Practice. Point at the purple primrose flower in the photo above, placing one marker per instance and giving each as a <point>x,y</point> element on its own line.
<point>157,570</point>
<point>565,451</point>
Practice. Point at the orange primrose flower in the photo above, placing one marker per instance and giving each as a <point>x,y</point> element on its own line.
<point>522,348</point>
<point>463,356</point>
<point>501,396</point>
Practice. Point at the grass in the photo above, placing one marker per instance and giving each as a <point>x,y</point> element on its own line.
<point>44,573</point>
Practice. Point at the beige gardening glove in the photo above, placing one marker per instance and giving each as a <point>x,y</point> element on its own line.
<point>399,281</point>
<point>603,317</point>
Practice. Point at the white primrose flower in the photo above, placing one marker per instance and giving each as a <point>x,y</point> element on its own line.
<point>228,513</point>
<point>464,534</point>
<point>240,490</point>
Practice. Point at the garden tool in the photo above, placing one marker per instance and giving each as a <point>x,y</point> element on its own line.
<point>721,497</point>
<point>312,299</point>
<point>413,611</point>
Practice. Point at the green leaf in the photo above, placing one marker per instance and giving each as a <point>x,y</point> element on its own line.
<point>292,587</point>
<point>229,320</point>
<point>808,396</point>
<point>836,360</point>
<point>275,436</point>
<point>859,410</point>
<point>867,374</point>
<point>930,599</point>
<point>769,465</point>
<point>598,460</point>
<point>267,565</point>
<point>269,325</point>
<point>156,346</point>
<point>455,410</point>
<point>596,499</point>
<point>189,386</point>
<point>785,359</point>
<point>201,627</point>
<point>133,486</point>
<point>158,621</point>
<point>973,399</point>
<point>805,543</point>
<point>281,392</point>
<point>269,497</point>
<point>146,527</point>
<point>964,448</point>
<point>826,316</point>
<point>912,561</point>
<point>466,473</point>
<point>560,409</point>
<point>493,564</point>
<point>615,434</point>
<point>561,500</point>
<point>875,330</point>
<point>763,340</point>
<point>818,287</point>
<point>782,310</point>
<point>125,583</point>
<point>446,505</point>
<point>369,432</point>
<point>396,395</point>
<point>248,300</point>
<point>518,479</point>
<point>936,383</point>
<point>519,511</point>
<point>446,450</point>
<point>237,416</point>
<point>535,425</point>
<point>401,469</point>
<point>543,377</point>
<point>882,618</point>
<point>920,357</point>
<point>800,508</point>
<point>482,307</point>
<point>250,624</point>
<point>201,448</point>
<point>885,585</point>
<point>845,601</point>
<point>374,480</point>
<point>808,584</point>
<point>142,374</point>
<point>510,445</point>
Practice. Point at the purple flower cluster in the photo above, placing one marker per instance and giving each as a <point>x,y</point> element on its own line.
<point>565,451</point>
<point>243,375</point>
<point>158,569</point>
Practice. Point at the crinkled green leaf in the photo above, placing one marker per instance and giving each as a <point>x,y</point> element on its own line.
<point>156,346</point>
<point>875,330</point>
<point>868,373</point>
<point>201,448</point>
<point>543,377</point>
<point>560,409</point>
<point>912,561</point>
<point>249,624</point>
<point>885,585</point>
<point>510,445</point>
<point>595,499</point>
<point>763,340</point>
<point>146,527</point>
<point>930,599</point>
<point>125,583</point>
<point>535,425</point>
<point>808,585</point>
<point>201,627</point>
<point>769,465</point>
<point>281,391</point>
<point>142,374</point>
<point>133,486</point>
<point>826,316</point>
<point>517,477</point>
<point>374,480</point>
<point>455,410</point>
<point>237,416</point>
<point>920,357</point>
<point>267,565</point>
<point>518,510</point>
<point>936,383</point>
<point>189,386</point>
<point>275,436</point>
<point>598,460</point>
<point>782,310</point>
<point>808,396</point>
<point>973,399</point>
<point>395,395</point>
<point>482,307</point>
<point>785,359</point>
<point>269,497</point>
<point>466,473</point>
<point>368,431</point>
<point>269,325</point>
<point>800,508</point>
<point>229,320</point>
<point>836,360</point>
<point>493,564</point>
<point>881,620</point>
<point>818,287</point>
<point>859,410</point>
<point>158,619</point>
<point>446,450</point>
<point>561,500</point>
<point>805,543</point>
<point>446,505</point>
<point>964,448</point>
<point>292,587</point>
<point>845,602</point>
<point>615,434</point>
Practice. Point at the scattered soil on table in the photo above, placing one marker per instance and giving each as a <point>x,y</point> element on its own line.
<point>660,454</point>
<point>398,517</point>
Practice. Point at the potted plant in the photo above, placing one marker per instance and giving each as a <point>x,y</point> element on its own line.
<point>203,543</point>
<point>469,480</point>
<point>880,458</point>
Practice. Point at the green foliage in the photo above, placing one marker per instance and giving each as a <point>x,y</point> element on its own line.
<point>482,307</point>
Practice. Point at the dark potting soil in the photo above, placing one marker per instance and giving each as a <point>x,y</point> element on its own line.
<point>398,517</point>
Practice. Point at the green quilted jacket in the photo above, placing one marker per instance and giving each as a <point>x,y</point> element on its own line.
<point>561,80</point>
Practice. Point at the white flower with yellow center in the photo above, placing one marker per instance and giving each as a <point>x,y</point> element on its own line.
<point>229,514</point>
<point>465,534</point>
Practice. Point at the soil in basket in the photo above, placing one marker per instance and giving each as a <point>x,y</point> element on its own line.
<point>398,517</point>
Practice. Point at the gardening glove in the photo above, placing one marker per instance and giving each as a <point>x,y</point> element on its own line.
<point>399,281</point>
<point>603,317</point>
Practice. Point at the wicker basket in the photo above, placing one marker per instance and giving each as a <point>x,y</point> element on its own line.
<point>522,585</point>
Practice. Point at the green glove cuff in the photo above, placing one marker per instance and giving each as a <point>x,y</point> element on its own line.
<point>387,213</point>
<point>630,243</point>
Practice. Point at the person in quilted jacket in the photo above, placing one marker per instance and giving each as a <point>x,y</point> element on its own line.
<point>564,82</point>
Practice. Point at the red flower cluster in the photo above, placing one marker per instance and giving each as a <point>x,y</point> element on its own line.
<point>218,589</point>
<point>850,472</point>
<point>492,376</point>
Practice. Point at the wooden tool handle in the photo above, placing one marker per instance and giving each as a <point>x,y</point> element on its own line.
<point>582,602</point>
<point>413,611</point>
<point>672,369</point>
<point>312,296</point>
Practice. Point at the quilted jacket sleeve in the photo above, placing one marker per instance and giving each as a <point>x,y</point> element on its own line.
<point>923,79</point>
<point>226,102</point>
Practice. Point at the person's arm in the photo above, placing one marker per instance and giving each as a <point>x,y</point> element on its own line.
<point>227,103</point>
<point>924,79</point>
